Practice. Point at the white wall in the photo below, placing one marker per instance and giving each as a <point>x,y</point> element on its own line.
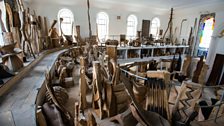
<point>217,44</point>
<point>116,27</point>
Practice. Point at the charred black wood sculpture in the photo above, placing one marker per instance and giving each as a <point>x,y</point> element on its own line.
<point>155,98</point>
<point>198,70</point>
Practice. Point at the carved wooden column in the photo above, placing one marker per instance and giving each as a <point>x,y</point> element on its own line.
<point>97,90</point>
<point>82,84</point>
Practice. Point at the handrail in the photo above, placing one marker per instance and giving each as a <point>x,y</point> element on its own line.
<point>133,74</point>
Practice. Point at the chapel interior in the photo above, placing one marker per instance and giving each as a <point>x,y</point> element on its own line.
<point>111,62</point>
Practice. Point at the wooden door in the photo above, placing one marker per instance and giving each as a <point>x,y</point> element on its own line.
<point>216,70</point>
<point>145,28</point>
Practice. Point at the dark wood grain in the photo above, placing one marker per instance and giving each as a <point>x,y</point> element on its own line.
<point>216,70</point>
<point>145,28</point>
<point>198,70</point>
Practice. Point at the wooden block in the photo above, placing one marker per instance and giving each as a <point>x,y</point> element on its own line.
<point>40,118</point>
<point>69,82</point>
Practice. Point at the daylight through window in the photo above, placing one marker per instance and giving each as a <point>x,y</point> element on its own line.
<point>131,27</point>
<point>102,21</point>
<point>67,23</point>
<point>155,27</point>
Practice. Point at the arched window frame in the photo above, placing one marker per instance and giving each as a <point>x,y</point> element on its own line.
<point>132,22</point>
<point>155,26</point>
<point>68,21</point>
<point>102,20</point>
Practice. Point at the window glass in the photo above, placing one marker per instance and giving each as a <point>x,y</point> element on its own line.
<point>155,27</point>
<point>131,27</point>
<point>67,23</point>
<point>102,21</point>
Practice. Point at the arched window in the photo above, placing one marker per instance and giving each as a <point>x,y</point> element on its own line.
<point>102,21</point>
<point>132,26</point>
<point>67,23</point>
<point>155,27</point>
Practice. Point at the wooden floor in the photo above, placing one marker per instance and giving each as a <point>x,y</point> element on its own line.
<point>17,107</point>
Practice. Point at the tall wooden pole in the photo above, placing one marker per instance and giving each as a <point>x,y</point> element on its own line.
<point>170,27</point>
<point>90,30</point>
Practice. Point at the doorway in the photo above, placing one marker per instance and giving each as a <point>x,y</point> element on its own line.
<point>206,28</point>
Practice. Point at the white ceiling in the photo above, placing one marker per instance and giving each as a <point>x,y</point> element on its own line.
<point>132,4</point>
<point>163,4</point>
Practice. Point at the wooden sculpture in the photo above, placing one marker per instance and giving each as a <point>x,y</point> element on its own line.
<point>198,70</point>
<point>170,27</point>
<point>60,94</point>
<point>192,38</point>
<point>97,91</point>
<point>63,75</point>
<point>78,36</point>
<point>68,38</point>
<point>3,17</point>
<point>111,42</point>
<point>40,35</point>
<point>203,73</point>
<point>124,119</point>
<point>186,65</point>
<point>82,84</point>
<point>144,117</point>
<point>41,120</point>
<point>34,35</point>
<point>53,115</point>
<point>67,116</point>
<point>9,56</point>
<point>156,100</point>
<point>182,75</point>
<point>139,91</point>
<point>52,35</point>
<point>89,22</point>
<point>76,119</point>
<point>10,16</point>
<point>184,108</point>
<point>26,38</point>
<point>112,52</point>
<point>4,72</point>
<point>52,26</point>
